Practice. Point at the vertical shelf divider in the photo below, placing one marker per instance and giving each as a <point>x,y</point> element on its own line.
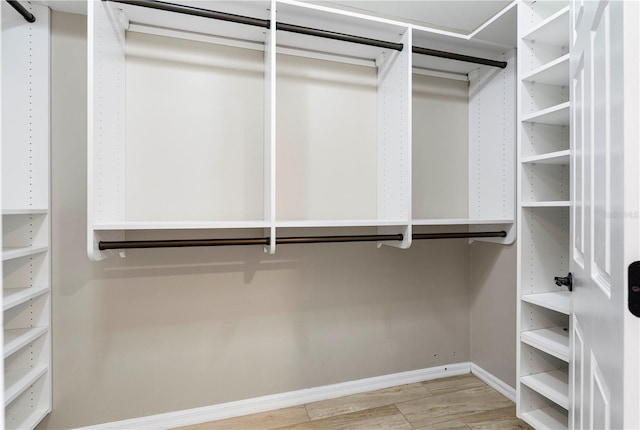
<point>394,139</point>
<point>270,130</point>
<point>106,133</point>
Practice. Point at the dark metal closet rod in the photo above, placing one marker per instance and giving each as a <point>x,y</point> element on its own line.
<point>264,23</point>
<point>205,13</point>
<point>131,244</point>
<point>28,16</point>
<point>459,57</point>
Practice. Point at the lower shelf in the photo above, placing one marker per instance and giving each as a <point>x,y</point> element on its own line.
<point>553,341</point>
<point>30,422</point>
<point>16,339</point>
<point>547,418</point>
<point>554,385</point>
<point>17,381</point>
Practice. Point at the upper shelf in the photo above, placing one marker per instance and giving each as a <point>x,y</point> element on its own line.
<point>12,253</point>
<point>460,221</point>
<point>555,115</point>
<point>555,72</point>
<point>552,31</point>
<point>24,211</point>
<point>558,157</point>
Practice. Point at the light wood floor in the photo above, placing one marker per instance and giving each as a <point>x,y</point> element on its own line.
<point>460,402</point>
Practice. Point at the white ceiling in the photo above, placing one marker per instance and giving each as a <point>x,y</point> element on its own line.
<point>461,16</point>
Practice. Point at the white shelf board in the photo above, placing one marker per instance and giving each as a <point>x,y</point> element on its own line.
<point>460,221</point>
<point>178,225</point>
<point>558,157</point>
<point>16,339</point>
<point>11,253</point>
<point>552,31</point>
<point>502,29</point>
<point>554,385</point>
<point>555,115</point>
<point>546,419</point>
<point>555,72</point>
<point>547,204</point>
<point>13,297</point>
<point>17,381</point>
<point>553,341</point>
<point>559,301</point>
<point>33,419</point>
<point>341,223</point>
<point>24,211</point>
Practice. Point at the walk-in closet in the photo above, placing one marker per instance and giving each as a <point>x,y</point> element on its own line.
<point>219,208</point>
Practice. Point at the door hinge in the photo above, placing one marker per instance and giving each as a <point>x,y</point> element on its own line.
<point>634,288</point>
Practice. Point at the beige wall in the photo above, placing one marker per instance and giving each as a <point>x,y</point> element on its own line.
<point>492,280</point>
<point>165,330</point>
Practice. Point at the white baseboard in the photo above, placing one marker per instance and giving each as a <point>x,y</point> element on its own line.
<point>285,400</point>
<point>495,383</point>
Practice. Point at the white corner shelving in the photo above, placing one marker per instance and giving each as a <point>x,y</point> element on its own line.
<point>544,151</point>
<point>25,217</point>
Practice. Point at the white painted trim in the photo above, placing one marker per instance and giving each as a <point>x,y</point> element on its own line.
<point>494,382</point>
<point>284,400</point>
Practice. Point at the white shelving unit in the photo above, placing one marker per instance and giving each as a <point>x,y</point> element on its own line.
<point>345,135</point>
<point>543,213</point>
<point>25,217</point>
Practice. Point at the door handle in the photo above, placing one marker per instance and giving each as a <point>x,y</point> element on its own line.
<point>634,288</point>
<point>566,281</point>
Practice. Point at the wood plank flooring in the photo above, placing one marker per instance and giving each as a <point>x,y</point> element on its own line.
<point>459,402</point>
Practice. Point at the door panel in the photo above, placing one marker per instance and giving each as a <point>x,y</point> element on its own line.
<point>577,376</point>
<point>578,166</point>
<point>600,399</point>
<point>598,230</point>
<point>601,150</point>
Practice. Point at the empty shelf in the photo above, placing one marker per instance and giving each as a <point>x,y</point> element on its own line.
<point>13,297</point>
<point>11,253</point>
<point>178,225</point>
<point>341,223</point>
<point>558,157</point>
<point>547,204</point>
<point>555,72</point>
<point>559,301</point>
<point>32,420</point>
<point>460,221</point>
<point>553,30</point>
<point>554,385</point>
<point>24,211</point>
<point>553,341</point>
<point>555,115</point>
<point>17,381</point>
<point>16,339</point>
<point>547,418</point>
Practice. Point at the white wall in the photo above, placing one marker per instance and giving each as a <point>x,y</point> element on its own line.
<point>164,330</point>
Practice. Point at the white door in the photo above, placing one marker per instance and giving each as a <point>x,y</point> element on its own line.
<point>604,124</point>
